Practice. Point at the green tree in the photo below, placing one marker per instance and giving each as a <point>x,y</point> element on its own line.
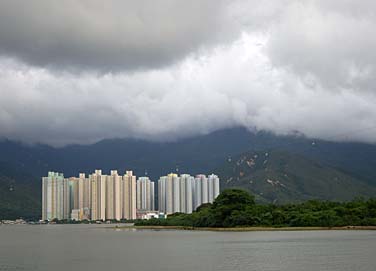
<point>229,201</point>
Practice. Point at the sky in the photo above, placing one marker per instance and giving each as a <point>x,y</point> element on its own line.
<point>78,71</point>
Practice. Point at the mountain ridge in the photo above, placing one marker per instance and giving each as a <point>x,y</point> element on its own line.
<point>282,177</point>
<point>201,154</point>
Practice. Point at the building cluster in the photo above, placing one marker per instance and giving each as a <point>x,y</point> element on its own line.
<point>96,197</point>
<point>116,197</point>
<point>185,193</point>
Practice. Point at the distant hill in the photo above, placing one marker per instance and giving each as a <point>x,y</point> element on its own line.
<point>20,194</point>
<point>281,177</point>
<point>200,154</point>
<point>195,155</point>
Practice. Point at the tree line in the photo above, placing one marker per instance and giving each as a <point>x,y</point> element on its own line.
<point>237,208</point>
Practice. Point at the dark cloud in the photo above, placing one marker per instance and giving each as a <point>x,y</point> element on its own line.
<point>109,35</point>
<point>306,66</point>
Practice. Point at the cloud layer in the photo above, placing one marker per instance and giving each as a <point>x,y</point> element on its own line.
<point>87,72</point>
<point>110,36</point>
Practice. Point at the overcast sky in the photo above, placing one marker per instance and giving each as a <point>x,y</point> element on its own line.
<point>78,71</point>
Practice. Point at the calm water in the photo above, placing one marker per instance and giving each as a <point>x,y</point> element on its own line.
<point>89,247</point>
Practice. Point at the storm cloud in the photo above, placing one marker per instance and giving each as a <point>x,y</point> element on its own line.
<point>112,35</point>
<point>82,71</point>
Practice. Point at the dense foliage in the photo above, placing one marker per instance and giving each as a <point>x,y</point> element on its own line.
<point>237,208</point>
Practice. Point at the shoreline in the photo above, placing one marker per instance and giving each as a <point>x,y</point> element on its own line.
<point>246,229</point>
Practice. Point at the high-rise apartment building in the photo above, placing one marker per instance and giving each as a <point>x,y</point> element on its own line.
<point>129,196</point>
<point>73,184</point>
<point>145,194</point>
<point>197,199</point>
<point>169,194</point>
<point>214,182</point>
<point>114,196</point>
<point>202,181</point>
<point>84,187</point>
<point>55,197</point>
<point>98,195</point>
<point>80,196</point>
<point>176,194</point>
<point>110,196</point>
<point>186,193</point>
<point>162,194</point>
<point>118,195</point>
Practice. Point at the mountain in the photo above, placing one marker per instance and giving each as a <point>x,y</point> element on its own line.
<point>24,165</point>
<point>281,177</point>
<point>200,154</point>
<point>20,194</point>
<point>196,155</point>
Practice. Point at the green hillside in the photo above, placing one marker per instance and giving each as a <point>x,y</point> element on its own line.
<point>280,177</point>
<point>19,194</point>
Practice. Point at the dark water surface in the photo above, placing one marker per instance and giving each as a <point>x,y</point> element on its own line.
<point>89,247</point>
